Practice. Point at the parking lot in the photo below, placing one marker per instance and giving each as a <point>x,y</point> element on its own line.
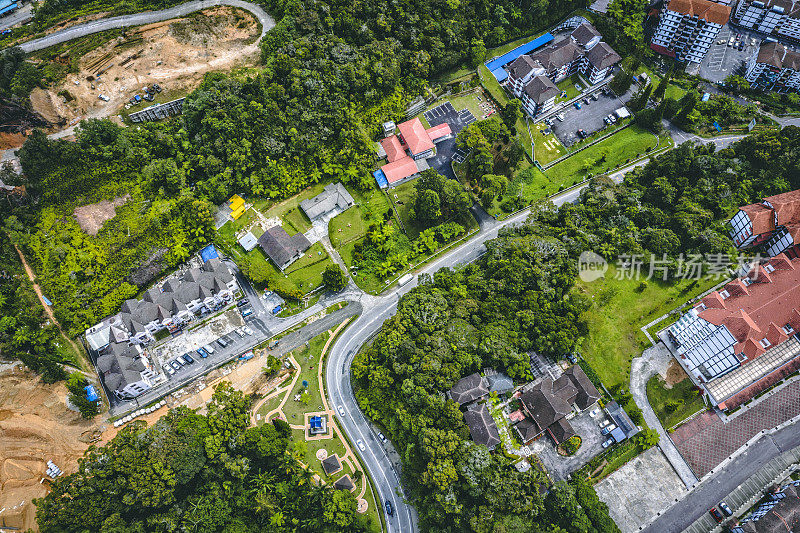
<point>589,117</point>
<point>722,60</point>
<point>446,150</point>
<point>559,466</point>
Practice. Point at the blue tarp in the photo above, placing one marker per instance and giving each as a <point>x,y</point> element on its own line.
<point>46,300</point>
<point>91,394</point>
<point>277,310</point>
<point>496,65</point>
<point>717,126</point>
<point>380,177</point>
<point>8,8</point>
<point>209,252</point>
<point>705,97</point>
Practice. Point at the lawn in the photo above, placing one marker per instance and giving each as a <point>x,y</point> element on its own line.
<point>308,359</point>
<point>620,308</point>
<point>306,272</point>
<point>568,85</point>
<point>403,196</point>
<point>604,156</point>
<point>684,393</point>
<point>370,207</point>
<point>547,147</point>
<point>469,101</point>
<point>491,84</point>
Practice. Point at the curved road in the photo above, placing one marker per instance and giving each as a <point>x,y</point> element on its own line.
<point>146,17</point>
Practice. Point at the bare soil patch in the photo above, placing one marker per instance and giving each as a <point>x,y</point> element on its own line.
<point>675,374</point>
<point>176,54</point>
<point>91,217</point>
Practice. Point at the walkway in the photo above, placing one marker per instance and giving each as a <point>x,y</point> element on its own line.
<point>146,17</point>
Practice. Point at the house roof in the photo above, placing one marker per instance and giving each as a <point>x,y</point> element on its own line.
<point>414,135</point>
<point>760,310</point>
<point>542,405</point>
<point>333,196</point>
<point>393,148</point>
<point>561,431</point>
<point>786,207</point>
<point>585,33</point>
<point>248,241</point>
<point>528,430</point>
<point>436,132</point>
<point>602,56</point>
<point>784,517</point>
<point>482,426</point>
<point>702,9</point>
<point>587,392</point>
<point>344,483</point>
<point>522,66</point>
<point>331,464</point>
<point>120,365</point>
<point>400,169</point>
<point>761,218</point>
<point>540,89</point>
<point>469,388</point>
<point>557,55</point>
<point>282,248</point>
<point>499,382</point>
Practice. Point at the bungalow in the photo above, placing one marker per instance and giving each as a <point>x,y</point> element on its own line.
<point>333,199</point>
<point>408,151</point>
<point>281,248</point>
<point>469,389</point>
<point>482,426</point>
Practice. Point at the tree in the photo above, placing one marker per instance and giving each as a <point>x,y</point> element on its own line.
<point>511,113</point>
<point>477,52</point>
<point>428,206</point>
<point>333,278</point>
<point>622,81</point>
<point>646,438</point>
<point>640,99</point>
<point>661,90</point>
<point>736,84</point>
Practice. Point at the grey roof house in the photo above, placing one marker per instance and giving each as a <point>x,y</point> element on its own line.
<point>482,426</point>
<point>469,389</point>
<point>282,249</point>
<point>333,198</point>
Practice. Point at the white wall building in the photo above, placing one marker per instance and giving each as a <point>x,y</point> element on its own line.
<point>688,27</point>
<point>780,18</point>
<point>774,68</point>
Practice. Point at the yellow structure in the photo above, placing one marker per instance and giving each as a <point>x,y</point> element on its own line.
<point>237,213</point>
<point>236,203</point>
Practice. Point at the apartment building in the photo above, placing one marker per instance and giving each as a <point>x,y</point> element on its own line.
<point>778,18</point>
<point>773,224</point>
<point>774,68</point>
<point>742,339</point>
<point>688,27</point>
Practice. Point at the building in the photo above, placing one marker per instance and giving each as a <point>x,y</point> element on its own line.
<point>318,425</point>
<point>125,371</point>
<point>248,241</point>
<point>532,77</point>
<point>344,483</point>
<point>774,224</point>
<point>780,513</point>
<point>333,199</point>
<point>408,151</point>
<point>282,249</point>
<point>625,427</point>
<point>237,206</point>
<point>688,27</point>
<point>549,404</point>
<point>482,426</point>
<point>7,7</point>
<point>331,464</point>
<point>741,339</point>
<point>469,388</point>
<point>498,382</point>
<point>774,67</point>
<point>776,18</point>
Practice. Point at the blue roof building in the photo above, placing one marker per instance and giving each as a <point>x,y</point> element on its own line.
<point>7,6</point>
<point>91,393</point>
<point>208,253</point>
<point>496,65</point>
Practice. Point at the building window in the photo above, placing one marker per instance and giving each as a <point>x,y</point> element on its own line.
<point>701,307</point>
<point>765,343</point>
<point>769,268</point>
<point>747,281</point>
<point>788,329</point>
<point>725,294</point>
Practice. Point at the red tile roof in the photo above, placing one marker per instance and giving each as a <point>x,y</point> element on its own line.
<point>414,135</point>
<point>702,9</point>
<point>394,150</point>
<point>439,131</point>
<point>787,207</point>
<point>760,310</point>
<point>400,169</point>
<point>761,217</point>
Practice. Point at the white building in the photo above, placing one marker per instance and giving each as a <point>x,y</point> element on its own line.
<point>780,18</point>
<point>774,68</point>
<point>539,95</point>
<point>688,27</point>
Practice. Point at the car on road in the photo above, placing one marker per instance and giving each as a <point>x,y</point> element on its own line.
<point>725,509</point>
<point>188,358</point>
<point>389,508</point>
<point>202,353</point>
<point>341,410</point>
<point>382,437</point>
<point>360,444</point>
<point>175,365</point>
<point>247,311</point>
<point>716,514</point>
<point>608,442</point>
<point>577,105</point>
<point>247,330</point>
<point>168,369</point>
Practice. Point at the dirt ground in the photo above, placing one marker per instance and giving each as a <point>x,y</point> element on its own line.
<point>35,425</point>
<point>175,54</point>
<point>675,374</point>
<point>91,217</point>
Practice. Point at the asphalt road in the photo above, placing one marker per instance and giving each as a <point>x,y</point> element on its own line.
<point>147,17</point>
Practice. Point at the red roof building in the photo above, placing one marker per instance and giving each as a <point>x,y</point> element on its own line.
<point>437,132</point>
<point>394,150</point>
<point>775,222</point>
<point>414,136</point>
<point>400,169</point>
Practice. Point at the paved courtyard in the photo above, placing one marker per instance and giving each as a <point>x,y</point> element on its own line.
<point>591,444</point>
<point>706,441</point>
<point>628,503</point>
<point>445,150</point>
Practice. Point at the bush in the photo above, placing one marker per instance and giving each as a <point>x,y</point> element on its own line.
<point>571,445</point>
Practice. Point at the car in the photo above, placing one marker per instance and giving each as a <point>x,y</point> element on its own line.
<point>752,41</point>
<point>239,332</point>
<point>571,355</point>
<point>740,47</point>
<point>577,105</point>
<point>149,97</point>
<point>586,101</point>
<point>721,41</point>
<point>341,410</point>
<point>247,311</point>
<point>247,330</point>
<point>137,98</point>
<point>560,117</point>
<point>716,514</point>
<point>594,412</point>
<point>6,33</point>
<point>103,97</point>
<point>608,429</point>
<point>188,358</point>
<point>731,41</point>
<point>175,365</point>
<point>222,342</point>
<point>382,437</point>
<point>389,509</point>
<point>603,423</point>
<point>202,353</point>
<point>361,446</point>
<point>725,509</point>
<point>581,134</point>
<point>155,87</point>
<point>209,348</point>
<point>168,369</point>
<point>607,121</point>
<point>243,301</point>
<point>608,442</point>
<point>612,118</point>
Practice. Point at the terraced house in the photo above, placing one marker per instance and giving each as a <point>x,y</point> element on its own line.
<point>774,68</point>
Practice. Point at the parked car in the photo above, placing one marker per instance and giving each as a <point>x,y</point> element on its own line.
<point>725,509</point>
<point>243,301</point>
<point>560,117</point>
<point>6,33</point>
<point>239,332</point>
<point>382,437</point>
<point>608,442</point>
<point>581,134</point>
<point>360,444</point>
<point>341,410</point>
<point>247,311</point>
<point>247,330</point>
<point>202,353</point>
<point>148,97</point>
<point>731,41</point>
<point>577,105</point>
<point>188,358</point>
<point>608,429</point>
<point>594,412</point>
<point>209,348</point>
<point>168,369</point>
<point>155,87</point>
<point>716,514</point>
<point>222,342</point>
<point>594,96</point>
<point>389,508</point>
<point>103,97</point>
<point>607,121</point>
<point>175,365</point>
<point>612,118</point>
<point>752,41</point>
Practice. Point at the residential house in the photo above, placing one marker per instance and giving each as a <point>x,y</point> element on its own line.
<point>282,249</point>
<point>687,28</point>
<point>774,67</point>
<point>773,223</point>
<point>539,95</point>
<point>468,389</point>
<point>333,199</point>
<point>741,339</point>
<point>598,63</point>
<point>408,151</point>
<point>776,18</point>
<point>124,370</point>
<point>550,404</point>
<point>625,426</point>
<point>780,513</point>
<point>482,426</point>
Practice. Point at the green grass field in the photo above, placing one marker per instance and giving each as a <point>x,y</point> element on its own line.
<point>491,84</point>
<point>547,147</point>
<point>619,309</point>
<point>403,198</point>
<point>682,392</point>
<point>568,85</point>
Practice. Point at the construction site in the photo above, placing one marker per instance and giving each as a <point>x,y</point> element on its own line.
<point>109,79</point>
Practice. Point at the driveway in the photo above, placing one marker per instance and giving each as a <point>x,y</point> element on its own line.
<point>560,467</point>
<point>458,120</point>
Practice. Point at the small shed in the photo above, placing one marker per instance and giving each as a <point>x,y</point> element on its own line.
<point>248,241</point>
<point>331,464</point>
<point>344,483</point>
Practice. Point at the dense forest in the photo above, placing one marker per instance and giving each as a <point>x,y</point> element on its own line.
<point>202,473</point>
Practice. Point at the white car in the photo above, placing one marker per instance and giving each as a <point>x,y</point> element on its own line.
<point>247,330</point>
<point>168,369</point>
<point>593,412</point>
<point>361,446</point>
<point>341,410</point>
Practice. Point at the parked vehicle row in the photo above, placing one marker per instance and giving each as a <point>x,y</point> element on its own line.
<point>170,367</point>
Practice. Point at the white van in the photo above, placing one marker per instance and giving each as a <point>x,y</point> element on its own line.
<point>208,348</point>
<point>405,279</point>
